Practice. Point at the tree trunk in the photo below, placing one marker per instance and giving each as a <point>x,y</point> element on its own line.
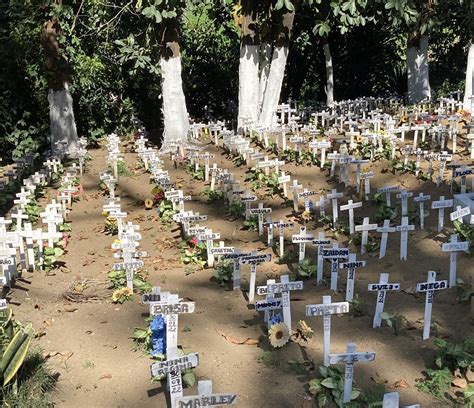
<point>329,88</point>
<point>265,64</point>
<point>248,66</point>
<point>61,116</point>
<point>175,114</point>
<point>61,112</point>
<point>277,71</point>
<point>468,103</point>
<point>418,70</point>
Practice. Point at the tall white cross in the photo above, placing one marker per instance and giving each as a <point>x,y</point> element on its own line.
<point>365,228</point>
<point>403,229</point>
<point>381,288</point>
<point>351,264</point>
<point>440,206</point>
<point>333,196</point>
<point>421,198</point>
<point>350,207</point>
<point>453,247</point>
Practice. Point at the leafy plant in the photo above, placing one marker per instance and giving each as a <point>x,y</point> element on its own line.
<point>463,290</point>
<point>110,225</point>
<point>307,268</point>
<point>50,257</point>
<point>394,321</point>
<point>122,169</point>
<point>121,295</point>
<point>357,306</point>
<point>386,213</point>
<point>118,279</point>
<point>213,195</point>
<point>223,271</point>
<point>194,251</point>
<point>465,231</point>
<point>237,209</point>
<point>251,224</point>
<point>166,212</point>
<point>273,187</point>
<point>288,257</point>
<point>436,382</point>
<point>330,387</point>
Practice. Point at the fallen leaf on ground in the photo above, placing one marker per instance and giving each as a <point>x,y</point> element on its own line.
<point>88,262</point>
<point>399,384</point>
<point>66,355</point>
<point>234,340</point>
<point>459,382</point>
<point>68,308</point>
<point>105,376</point>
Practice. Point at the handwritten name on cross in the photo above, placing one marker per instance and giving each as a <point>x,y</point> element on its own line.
<point>403,228</point>
<point>326,309</point>
<point>404,196</point>
<point>334,254</point>
<point>453,247</point>
<point>440,205</point>
<point>321,242</point>
<point>430,286</point>
<point>254,260</point>
<point>351,264</point>
<point>348,358</point>
<point>381,288</point>
<point>284,288</point>
<point>388,190</point>
<point>205,397</point>
<point>302,238</point>
<point>259,212</point>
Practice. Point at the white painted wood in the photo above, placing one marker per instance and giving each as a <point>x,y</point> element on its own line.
<point>468,102</point>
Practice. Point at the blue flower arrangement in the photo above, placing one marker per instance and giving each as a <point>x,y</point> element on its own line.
<point>158,335</point>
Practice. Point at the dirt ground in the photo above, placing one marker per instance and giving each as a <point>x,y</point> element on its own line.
<point>90,343</point>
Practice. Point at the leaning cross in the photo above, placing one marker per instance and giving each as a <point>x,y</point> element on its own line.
<point>365,228</point>
<point>381,288</point>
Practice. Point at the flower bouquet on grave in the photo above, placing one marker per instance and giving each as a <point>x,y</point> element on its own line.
<point>122,295</point>
<point>110,224</point>
<point>195,252</point>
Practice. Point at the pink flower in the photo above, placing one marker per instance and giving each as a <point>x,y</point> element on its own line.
<point>194,241</point>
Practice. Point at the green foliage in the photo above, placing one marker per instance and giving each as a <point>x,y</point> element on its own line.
<point>463,290</point>
<point>465,231</point>
<point>50,257</point>
<point>436,382</point>
<point>251,224</point>
<point>213,195</point>
<point>166,212</point>
<point>118,279</point>
<point>330,387</point>
<point>237,209</point>
<point>223,271</point>
<point>34,384</point>
<point>357,306</point>
<point>386,213</point>
<point>307,269</point>
<point>394,321</point>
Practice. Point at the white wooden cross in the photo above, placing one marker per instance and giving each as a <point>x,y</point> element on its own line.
<point>384,230</point>
<point>348,358</point>
<point>294,189</point>
<point>404,196</point>
<point>19,217</point>
<point>463,172</point>
<point>334,157</point>
<point>334,254</point>
<point>430,287</point>
<point>358,163</point>
<point>269,305</point>
<point>334,195</point>
<point>421,198</point>
<point>388,190</point>
<point>8,262</point>
<point>281,227</point>
<point>248,198</point>
<point>259,212</point>
<point>403,228</point>
<point>235,258</point>
<point>326,309</point>
<point>459,213</point>
<point>305,195</point>
<point>170,307</point>
<point>392,400</point>
<point>209,237</point>
<point>321,242</point>
<point>27,235</point>
<point>366,177</point>
<point>381,288</point>
<point>351,264</point>
<point>440,206</point>
<point>302,238</point>
<point>205,397</point>
<point>322,204</point>
<point>350,207</point>
<point>284,288</point>
<point>22,198</point>
<point>284,179</point>
<point>365,228</point>
<point>254,260</point>
<point>453,247</point>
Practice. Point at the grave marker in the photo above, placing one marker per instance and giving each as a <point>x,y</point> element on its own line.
<point>334,254</point>
<point>454,247</point>
<point>326,309</point>
<point>381,288</point>
<point>334,195</point>
<point>430,287</point>
<point>350,207</point>
<point>365,228</point>
<point>403,229</point>
<point>254,260</point>
<point>284,288</point>
<point>421,200</point>
<point>440,206</point>
<point>351,266</point>
<point>384,230</point>
<point>302,238</point>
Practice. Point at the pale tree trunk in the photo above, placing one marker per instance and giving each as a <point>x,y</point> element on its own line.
<point>468,103</point>
<point>329,88</point>
<point>248,65</point>
<point>265,64</point>
<point>418,71</point>
<point>62,123</point>
<point>271,97</point>
<point>175,114</point>
<point>248,84</point>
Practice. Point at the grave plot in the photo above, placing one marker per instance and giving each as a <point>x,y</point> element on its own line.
<point>235,265</point>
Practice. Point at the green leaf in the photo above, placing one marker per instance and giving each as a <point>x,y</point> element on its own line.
<point>189,378</point>
<point>355,394</point>
<point>329,383</point>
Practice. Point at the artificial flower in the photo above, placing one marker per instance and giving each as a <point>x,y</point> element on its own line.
<point>279,335</point>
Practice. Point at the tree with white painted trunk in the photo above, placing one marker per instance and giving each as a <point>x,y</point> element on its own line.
<point>329,88</point>
<point>468,102</point>
<point>249,81</point>
<point>61,112</point>
<point>419,88</point>
<point>175,114</point>
<point>283,22</point>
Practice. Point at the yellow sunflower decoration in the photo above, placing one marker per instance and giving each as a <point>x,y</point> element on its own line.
<point>279,335</point>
